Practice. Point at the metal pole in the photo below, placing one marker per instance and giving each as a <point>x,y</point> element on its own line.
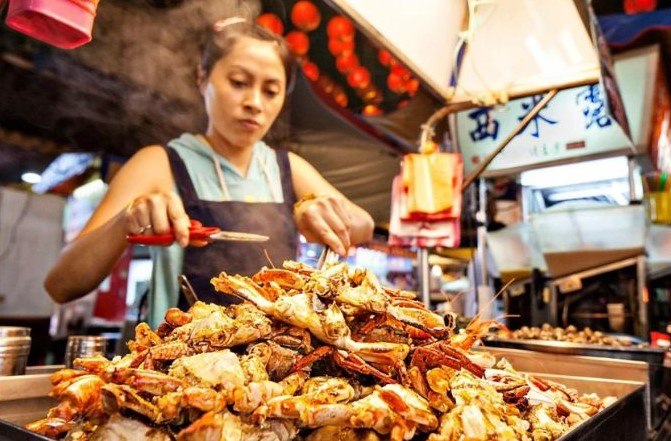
<point>423,273</point>
<point>634,180</point>
<point>643,298</point>
<point>523,123</point>
<point>482,231</point>
<point>483,294</point>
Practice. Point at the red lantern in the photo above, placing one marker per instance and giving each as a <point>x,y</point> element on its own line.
<point>370,95</point>
<point>338,46</point>
<point>310,70</point>
<point>358,77</point>
<point>305,16</point>
<point>346,62</point>
<point>385,58</point>
<point>371,110</point>
<point>271,22</point>
<point>403,103</point>
<point>325,83</point>
<point>636,6</point>
<point>341,99</point>
<point>298,43</point>
<point>412,86</point>
<point>395,83</point>
<point>339,96</point>
<point>401,72</point>
<point>340,27</point>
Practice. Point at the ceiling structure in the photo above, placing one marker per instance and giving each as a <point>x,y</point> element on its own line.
<point>134,85</point>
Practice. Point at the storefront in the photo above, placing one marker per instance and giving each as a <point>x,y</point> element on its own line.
<point>516,282</point>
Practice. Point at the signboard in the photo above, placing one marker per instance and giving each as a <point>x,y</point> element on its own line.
<point>575,123</point>
<point>511,47</point>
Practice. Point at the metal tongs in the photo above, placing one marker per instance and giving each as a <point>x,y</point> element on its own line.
<point>196,232</point>
<point>187,289</point>
<point>327,256</point>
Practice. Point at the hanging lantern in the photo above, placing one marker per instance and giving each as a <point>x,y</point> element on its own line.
<point>371,110</point>
<point>358,77</point>
<point>298,42</point>
<point>346,62</point>
<point>402,104</point>
<point>310,70</point>
<point>326,84</point>
<point>339,96</point>
<point>339,47</point>
<point>370,94</point>
<point>271,22</point>
<point>395,83</point>
<point>340,27</point>
<point>412,86</point>
<point>401,71</point>
<point>305,16</point>
<point>385,58</point>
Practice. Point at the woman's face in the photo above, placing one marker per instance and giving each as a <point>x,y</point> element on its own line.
<point>245,92</point>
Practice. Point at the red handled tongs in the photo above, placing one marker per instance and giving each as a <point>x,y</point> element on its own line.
<point>196,232</point>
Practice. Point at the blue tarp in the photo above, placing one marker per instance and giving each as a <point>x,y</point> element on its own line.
<point>622,29</point>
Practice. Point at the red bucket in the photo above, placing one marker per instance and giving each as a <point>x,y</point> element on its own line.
<point>62,23</point>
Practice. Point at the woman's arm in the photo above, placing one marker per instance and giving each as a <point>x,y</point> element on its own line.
<point>146,182</point>
<point>329,218</point>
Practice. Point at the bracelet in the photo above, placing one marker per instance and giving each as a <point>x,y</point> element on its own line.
<point>307,197</point>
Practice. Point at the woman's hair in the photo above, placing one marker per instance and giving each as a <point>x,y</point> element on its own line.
<point>225,33</point>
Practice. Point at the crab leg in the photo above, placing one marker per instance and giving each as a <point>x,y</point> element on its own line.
<point>328,325</point>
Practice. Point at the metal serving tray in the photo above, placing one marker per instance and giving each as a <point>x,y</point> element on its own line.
<point>24,398</point>
<point>623,420</point>
<point>654,357</point>
<point>627,419</point>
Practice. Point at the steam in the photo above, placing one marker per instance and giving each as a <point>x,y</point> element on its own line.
<point>157,48</point>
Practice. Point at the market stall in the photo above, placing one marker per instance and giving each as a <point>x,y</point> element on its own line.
<point>337,352</point>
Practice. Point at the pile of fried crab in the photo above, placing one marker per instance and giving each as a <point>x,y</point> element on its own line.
<point>309,355</point>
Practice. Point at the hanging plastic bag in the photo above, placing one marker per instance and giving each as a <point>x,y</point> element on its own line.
<point>420,233</point>
<point>66,24</point>
<point>431,186</point>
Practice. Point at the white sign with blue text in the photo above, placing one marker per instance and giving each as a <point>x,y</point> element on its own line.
<point>575,123</point>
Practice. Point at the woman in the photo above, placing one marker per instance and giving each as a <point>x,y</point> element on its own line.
<point>226,178</point>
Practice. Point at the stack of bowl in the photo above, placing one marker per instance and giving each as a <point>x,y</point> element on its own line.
<point>14,350</point>
<point>84,346</point>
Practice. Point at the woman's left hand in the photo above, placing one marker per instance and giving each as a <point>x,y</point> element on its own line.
<point>324,219</point>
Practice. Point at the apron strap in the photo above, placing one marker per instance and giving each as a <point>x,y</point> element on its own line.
<point>182,179</point>
<point>285,177</point>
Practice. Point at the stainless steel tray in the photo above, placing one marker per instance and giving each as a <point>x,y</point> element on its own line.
<point>658,375</point>
<point>12,432</point>
<point>624,420</point>
<point>649,355</point>
<point>24,398</point>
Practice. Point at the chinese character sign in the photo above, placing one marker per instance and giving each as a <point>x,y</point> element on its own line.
<point>574,123</point>
<point>539,119</point>
<point>593,107</point>
<point>485,125</point>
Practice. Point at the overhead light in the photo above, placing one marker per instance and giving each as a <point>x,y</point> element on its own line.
<point>31,177</point>
<point>577,173</point>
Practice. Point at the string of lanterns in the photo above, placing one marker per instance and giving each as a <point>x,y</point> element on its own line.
<point>341,33</point>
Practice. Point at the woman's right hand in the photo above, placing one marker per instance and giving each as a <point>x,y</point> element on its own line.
<point>158,213</point>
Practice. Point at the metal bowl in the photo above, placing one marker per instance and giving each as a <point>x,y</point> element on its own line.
<point>14,355</point>
<point>84,346</point>
<point>14,331</point>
